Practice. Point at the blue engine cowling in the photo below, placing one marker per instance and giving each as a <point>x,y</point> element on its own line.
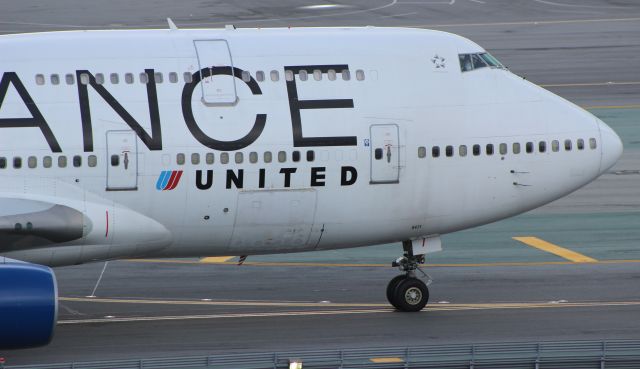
<point>28,305</point>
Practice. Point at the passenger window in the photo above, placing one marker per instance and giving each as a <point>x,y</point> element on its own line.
<point>62,161</point>
<point>275,76</point>
<point>100,78</point>
<point>70,79</point>
<point>346,75</point>
<point>32,162</point>
<point>503,149</point>
<point>592,143</point>
<point>260,76</point>
<point>144,78</point>
<point>542,146</point>
<point>224,158</point>
<point>465,62</point>
<point>295,156</point>
<point>173,77</point>
<point>449,151</point>
<point>317,74</point>
<point>84,79</point>
<point>115,160</point>
<point>92,160</point>
<point>3,163</point>
<point>195,158</point>
<point>282,156</point>
<point>55,79</point>
<point>267,157</point>
<point>46,162</point>
<point>489,149</point>
<point>128,78</point>
<point>115,78</point>
<point>288,75</point>
<point>158,77</point>
<point>462,150</point>
<point>476,150</point>
<point>40,79</point>
<point>303,75</point>
<point>529,147</point>
<point>17,162</point>
<point>567,145</point>
<point>331,74</point>
<point>188,77</point>
<point>246,77</point>
<point>209,158</point>
<point>311,155</point>
<point>180,159</point>
<point>239,158</point>
<point>422,152</point>
<point>253,157</point>
<point>555,146</point>
<point>360,75</point>
<point>435,151</point>
<point>378,153</point>
<point>77,161</point>
<point>516,148</point>
<point>580,144</point>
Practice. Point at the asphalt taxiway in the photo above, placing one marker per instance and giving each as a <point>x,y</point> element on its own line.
<point>570,270</point>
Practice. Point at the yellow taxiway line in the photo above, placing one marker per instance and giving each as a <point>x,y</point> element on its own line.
<point>216,259</point>
<point>354,265</point>
<point>555,249</point>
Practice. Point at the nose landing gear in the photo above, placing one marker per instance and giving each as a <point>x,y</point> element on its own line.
<point>406,292</point>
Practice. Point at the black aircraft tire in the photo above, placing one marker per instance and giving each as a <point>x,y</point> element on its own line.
<point>411,295</point>
<point>391,288</point>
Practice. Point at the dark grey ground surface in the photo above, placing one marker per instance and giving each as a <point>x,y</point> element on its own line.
<point>575,46</point>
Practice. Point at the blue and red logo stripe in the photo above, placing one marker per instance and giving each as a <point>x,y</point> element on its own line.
<point>168,180</point>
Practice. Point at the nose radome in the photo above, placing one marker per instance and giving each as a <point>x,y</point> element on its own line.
<point>611,146</point>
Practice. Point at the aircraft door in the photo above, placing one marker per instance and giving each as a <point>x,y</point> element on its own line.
<point>385,153</point>
<point>122,161</point>
<point>218,85</point>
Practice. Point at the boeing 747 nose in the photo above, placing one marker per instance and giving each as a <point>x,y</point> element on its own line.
<point>611,146</point>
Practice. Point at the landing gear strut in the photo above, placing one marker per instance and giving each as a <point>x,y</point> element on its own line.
<point>406,292</point>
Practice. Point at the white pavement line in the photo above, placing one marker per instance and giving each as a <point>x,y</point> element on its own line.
<point>478,1</point>
<point>546,2</point>
<point>219,316</point>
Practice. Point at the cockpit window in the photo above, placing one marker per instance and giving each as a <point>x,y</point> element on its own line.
<point>465,62</point>
<point>469,62</point>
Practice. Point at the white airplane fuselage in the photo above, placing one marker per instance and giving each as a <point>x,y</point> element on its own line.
<point>322,139</point>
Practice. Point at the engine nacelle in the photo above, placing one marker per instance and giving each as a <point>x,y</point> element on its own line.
<point>28,304</point>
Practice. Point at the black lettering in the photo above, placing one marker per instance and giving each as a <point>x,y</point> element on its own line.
<point>317,176</point>
<point>236,180</point>
<point>296,105</point>
<point>36,120</point>
<point>208,184</point>
<point>192,125</point>
<point>261,178</point>
<point>287,175</point>
<point>153,142</point>
<point>348,176</point>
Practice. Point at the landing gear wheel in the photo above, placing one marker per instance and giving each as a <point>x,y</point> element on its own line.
<point>391,288</point>
<point>411,295</point>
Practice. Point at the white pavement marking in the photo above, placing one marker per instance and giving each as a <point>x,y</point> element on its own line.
<point>546,2</point>
<point>478,1</point>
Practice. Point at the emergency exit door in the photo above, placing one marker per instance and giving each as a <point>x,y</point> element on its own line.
<point>122,161</point>
<point>385,153</point>
<point>217,84</point>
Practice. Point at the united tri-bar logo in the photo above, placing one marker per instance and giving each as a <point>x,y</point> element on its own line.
<point>168,180</point>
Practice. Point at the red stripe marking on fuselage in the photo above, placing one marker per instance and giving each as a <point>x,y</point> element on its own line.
<point>176,181</point>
